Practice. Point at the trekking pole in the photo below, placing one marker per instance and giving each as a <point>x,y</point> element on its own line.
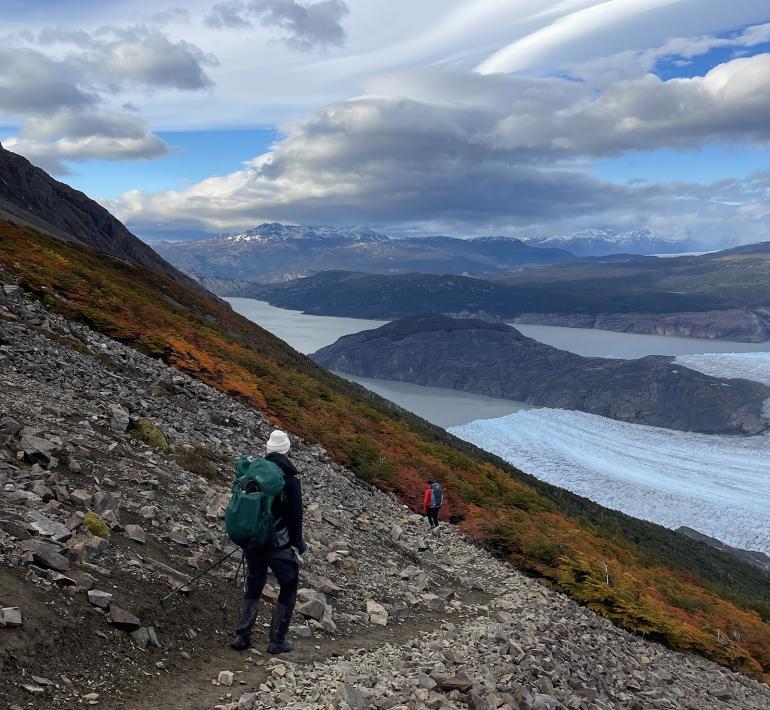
<point>199,575</point>
<point>226,600</point>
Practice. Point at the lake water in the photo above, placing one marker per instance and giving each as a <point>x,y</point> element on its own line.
<point>439,406</point>
<point>447,407</point>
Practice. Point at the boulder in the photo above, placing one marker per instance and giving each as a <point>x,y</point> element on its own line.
<point>377,613</point>
<point>99,599</point>
<point>9,426</point>
<point>81,498</point>
<point>119,417</point>
<point>123,619</point>
<point>225,678</point>
<point>135,533</point>
<point>215,510</point>
<point>50,528</point>
<point>11,616</point>
<point>49,559</point>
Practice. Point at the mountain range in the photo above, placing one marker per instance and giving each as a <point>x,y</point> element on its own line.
<point>605,241</point>
<point>276,252</point>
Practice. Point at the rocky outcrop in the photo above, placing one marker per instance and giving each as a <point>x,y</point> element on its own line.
<point>30,197</point>
<point>496,360</point>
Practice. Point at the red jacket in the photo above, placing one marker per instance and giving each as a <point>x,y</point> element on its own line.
<point>426,502</point>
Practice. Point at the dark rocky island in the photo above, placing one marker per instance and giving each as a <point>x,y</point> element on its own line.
<point>495,359</point>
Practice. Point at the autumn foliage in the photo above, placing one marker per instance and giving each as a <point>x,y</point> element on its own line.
<point>643,577</point>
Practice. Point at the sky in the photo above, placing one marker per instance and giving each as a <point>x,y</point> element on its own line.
<point>461,117</point>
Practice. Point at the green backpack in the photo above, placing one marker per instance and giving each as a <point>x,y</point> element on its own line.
<point>249,516</point>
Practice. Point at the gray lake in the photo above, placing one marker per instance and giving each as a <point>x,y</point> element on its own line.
<point>447,407</point>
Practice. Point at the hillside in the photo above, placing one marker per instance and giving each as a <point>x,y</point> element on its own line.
<point>274,253</point>
<point>671,587</point>
<point>711,296</point>
<point>422,621</point>
<point>31,197</point>
<point>496,360</point>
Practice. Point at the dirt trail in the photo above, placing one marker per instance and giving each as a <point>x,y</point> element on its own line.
<point>187,683</point>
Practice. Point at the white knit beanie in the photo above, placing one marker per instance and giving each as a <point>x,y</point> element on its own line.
<point>278,443</point>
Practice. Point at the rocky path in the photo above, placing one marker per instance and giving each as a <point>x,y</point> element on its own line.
<point>114,472</point>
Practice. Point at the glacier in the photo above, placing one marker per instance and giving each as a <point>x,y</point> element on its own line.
<point>749,366</point>
<point>719,485</point>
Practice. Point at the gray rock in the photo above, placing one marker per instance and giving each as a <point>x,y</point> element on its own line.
<point>11,616</point>
<point>135,533</point>
<point>119,417</point>
<point>9,426</point>
<point>123,619</point>
<point>49,559</point>
<point>99,598</point>
<point>352,696</point>
<point>50,528</point>
<point>81,498</point>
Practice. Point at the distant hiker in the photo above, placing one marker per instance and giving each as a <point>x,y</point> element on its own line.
<point>434,497</point>
<point>270,482</point>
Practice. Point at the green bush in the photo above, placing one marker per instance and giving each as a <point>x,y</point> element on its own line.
<point>150,434</point>
<point>199,459</point>
<point>96,526</point>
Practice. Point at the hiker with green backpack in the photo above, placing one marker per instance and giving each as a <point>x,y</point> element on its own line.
<point>264,517</point>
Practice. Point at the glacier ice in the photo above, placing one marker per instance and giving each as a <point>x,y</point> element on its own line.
<point>719,485</point>
<point>749,366</point>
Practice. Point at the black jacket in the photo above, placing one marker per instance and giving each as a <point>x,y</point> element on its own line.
<point>287,507</point>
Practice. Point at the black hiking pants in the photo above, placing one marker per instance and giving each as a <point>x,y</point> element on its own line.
<point>433,517</point>
<point>285,567</point>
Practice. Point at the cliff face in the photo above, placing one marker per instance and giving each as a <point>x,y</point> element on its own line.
<point>30,197</point>
<point>496,360</point>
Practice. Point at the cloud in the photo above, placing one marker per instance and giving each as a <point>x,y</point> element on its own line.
<point>306,26</point>
<point>568,33</point>
<point>470,152</point>
<point>31,82</point>
<point>140,56</point>
<point>71,136</point>
<point>57,81</point>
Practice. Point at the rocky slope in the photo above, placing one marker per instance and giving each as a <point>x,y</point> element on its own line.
<point>494,359</point>
<point>31,197</point>
<point>87,425</point>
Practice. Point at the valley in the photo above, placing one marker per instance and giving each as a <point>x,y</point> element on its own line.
<point>715,484</point>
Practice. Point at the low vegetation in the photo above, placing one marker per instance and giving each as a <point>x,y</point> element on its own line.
<point>642,576</point>
<point>96,526</point>
<point>149,432</point>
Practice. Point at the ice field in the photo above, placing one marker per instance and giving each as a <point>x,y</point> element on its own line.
<point>718,485</point>
<point>750,366</point>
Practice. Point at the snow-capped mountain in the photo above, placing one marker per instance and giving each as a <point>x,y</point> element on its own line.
<point>277,232</point>
<point>603,241</point>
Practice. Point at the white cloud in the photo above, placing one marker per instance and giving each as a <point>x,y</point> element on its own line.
<point>57,81</point>
<point>73,136</point>
<point>469,151</point>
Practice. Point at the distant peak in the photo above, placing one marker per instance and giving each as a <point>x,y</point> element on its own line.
<point>277,232</point>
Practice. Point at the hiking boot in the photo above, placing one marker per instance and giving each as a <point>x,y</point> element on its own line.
<point>279,626</point>
<point>248,616</point>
